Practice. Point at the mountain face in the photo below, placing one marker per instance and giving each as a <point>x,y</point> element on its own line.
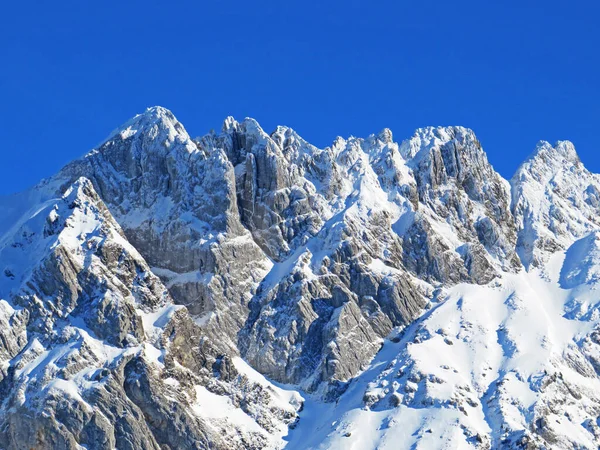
<point>250,290</point>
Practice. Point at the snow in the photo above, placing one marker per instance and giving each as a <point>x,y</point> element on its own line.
<point>554,200</point>
<point>510,332</point>
<point>173,278</point>
<point>17,255</point>
<point>284,397</point>
<point>154,120</point>
<point>134,217</point>
<point>582,263</point>
<point>67,387</point>
<point>405,221</point>
<point>155,320</point>
<point>474,365</point>
<point>220,407</point>
<point>153,354</point>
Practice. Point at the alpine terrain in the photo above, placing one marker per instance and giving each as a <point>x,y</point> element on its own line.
<point>245,290</point>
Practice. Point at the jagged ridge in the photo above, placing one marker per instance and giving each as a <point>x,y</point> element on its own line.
<point>302,261</point>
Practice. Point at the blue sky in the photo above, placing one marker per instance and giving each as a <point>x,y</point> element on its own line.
<point>515,72</point>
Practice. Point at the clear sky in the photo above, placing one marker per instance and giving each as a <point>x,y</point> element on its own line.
<point>514,71</point>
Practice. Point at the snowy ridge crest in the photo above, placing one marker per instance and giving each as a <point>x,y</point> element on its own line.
<point>251,290</point>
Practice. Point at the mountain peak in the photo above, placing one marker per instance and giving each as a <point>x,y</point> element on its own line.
<point>562,150</point>
<point>547,160</point>
<point>155,115</point>
<point>155,130</point>
<point>554,200</point>
<point>81,187</point>
<point>248,124</point>
<point>229,124</point>
<point>155,120</point>
<point>300,262</point>
<point>248,127</point>
<point>427,138</point>
<point>385,136</point>
<point>157,111</point>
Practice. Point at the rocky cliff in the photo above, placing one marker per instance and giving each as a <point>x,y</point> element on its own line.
<point>153,291</point>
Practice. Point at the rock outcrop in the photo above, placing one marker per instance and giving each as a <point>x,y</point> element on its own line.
<point>98,355</point>
<point>148,288</point>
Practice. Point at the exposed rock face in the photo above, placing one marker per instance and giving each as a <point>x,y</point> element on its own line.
<point>93,339</point>
<point>373,213</point>
<point>138,283</point>
<point>458,185</point>
<point>555,200</point>
<point>176,202</point>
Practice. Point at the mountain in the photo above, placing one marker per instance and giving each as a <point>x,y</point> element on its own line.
<point>250,290</point>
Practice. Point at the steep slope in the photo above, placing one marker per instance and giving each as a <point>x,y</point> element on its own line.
<point>350,227</point>
<point>176,202</point>
<point>458,188</point>
<point>96,354</point>
<point>317,242</point>
<point>420,299</point>
<point>555,200</point>
<point>322,288</point>
<point>509,365</point>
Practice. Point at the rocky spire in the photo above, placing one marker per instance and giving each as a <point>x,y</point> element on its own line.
<point>555,200</point>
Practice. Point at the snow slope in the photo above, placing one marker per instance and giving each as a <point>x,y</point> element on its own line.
<point>501,365</point>
<point>250,290</point>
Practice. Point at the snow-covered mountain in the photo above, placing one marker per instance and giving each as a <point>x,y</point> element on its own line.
<point>247,290</point>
